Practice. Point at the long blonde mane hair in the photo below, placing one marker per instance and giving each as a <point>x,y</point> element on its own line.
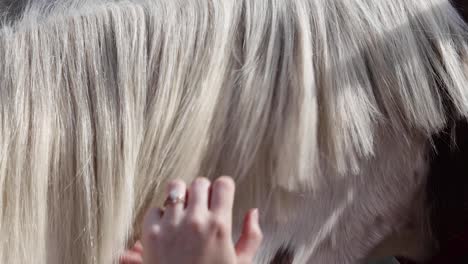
<point>101,102</point>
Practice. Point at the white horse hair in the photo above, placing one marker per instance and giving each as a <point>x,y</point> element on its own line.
<point>321,110</point>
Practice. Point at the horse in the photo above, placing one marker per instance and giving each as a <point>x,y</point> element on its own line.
<point>325,112</point>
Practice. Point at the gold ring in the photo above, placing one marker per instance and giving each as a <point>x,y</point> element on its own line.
<point>174,197</point>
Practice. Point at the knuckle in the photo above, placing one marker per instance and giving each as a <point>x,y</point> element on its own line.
<point>195,225</point>
<point>151,215</point>
<point>217,223</point>
<point>153,233</point>
<point>171,226</point>
<point>219,227</point>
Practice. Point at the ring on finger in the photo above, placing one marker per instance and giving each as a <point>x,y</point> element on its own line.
<point>174,197</point>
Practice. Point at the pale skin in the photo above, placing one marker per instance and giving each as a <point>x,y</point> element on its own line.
<point>197,232</point>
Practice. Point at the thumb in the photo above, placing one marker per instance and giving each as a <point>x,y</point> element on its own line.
<point>250,239</point>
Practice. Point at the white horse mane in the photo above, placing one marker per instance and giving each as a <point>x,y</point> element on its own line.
<point>320,109</point>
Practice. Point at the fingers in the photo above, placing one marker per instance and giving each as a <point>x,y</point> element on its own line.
<point>138,247</point>
<point>222,198</point>
<point>250,239</point>
<point>205,222</point>
<point>131,257</point>
<point>173,211</point>
<point>198,196</point>
<point>134,255</point>
<point>151,232</point>
<point>152,218</point>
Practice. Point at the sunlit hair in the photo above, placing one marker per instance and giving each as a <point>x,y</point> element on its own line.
<point>101,102</point>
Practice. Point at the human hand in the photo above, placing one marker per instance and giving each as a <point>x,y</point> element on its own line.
<point>199,231</point>
<point>133,255</point>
